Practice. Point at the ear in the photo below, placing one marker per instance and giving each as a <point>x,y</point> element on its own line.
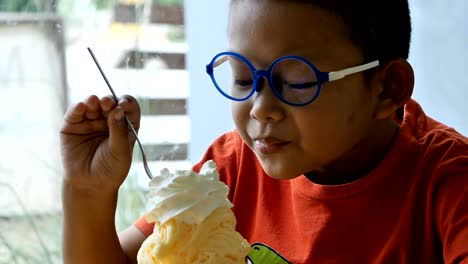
<point>396,82</point>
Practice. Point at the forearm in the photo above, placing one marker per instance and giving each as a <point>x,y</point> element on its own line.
<point>89,234</point>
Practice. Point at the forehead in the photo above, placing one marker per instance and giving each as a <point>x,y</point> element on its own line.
<point>266,29</point>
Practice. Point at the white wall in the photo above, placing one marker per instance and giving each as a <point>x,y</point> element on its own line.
<point>438,54</point>
<point>209,111</point>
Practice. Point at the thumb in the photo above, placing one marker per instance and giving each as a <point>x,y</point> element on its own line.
<point>118,133</point>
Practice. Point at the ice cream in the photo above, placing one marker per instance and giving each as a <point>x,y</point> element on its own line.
<point>193,220</point>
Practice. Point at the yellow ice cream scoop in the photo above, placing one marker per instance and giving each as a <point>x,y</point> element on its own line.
<point>193,219</point>
<point>214,240</point>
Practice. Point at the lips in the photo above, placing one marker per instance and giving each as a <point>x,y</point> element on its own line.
<point>269,145</point>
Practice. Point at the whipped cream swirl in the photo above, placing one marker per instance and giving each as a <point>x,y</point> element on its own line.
<point>186,195</point>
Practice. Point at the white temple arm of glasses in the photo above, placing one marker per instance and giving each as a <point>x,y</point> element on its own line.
<point>333,76</point>
<point>220,61</point>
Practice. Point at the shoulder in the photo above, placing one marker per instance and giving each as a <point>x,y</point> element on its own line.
<point>440,155</point>
<point>433,142</point>
<point>430,153</point>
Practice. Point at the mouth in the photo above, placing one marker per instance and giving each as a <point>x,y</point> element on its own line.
<point>269,145</point>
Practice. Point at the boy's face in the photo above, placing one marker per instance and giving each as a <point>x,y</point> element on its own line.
<point>292,140</point>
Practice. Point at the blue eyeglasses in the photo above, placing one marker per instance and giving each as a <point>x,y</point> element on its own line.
<point>293,79</point>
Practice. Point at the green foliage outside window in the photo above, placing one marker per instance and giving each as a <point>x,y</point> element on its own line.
<point>103,4</point>
<point>24,6</point>
<point>169,2</point>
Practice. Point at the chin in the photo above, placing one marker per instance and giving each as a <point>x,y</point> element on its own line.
<point>280,172</point>
<point>283,176</point>
<point>285,169</point>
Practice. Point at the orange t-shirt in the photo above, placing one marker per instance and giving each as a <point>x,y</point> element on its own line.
<point>412,208</point>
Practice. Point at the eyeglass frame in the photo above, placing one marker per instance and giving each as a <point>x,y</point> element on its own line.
<point>322,77</point>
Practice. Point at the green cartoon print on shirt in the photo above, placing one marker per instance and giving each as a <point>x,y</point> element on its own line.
<point>263,254</point>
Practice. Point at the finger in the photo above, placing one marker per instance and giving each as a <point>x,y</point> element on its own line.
<point>132,110</point>
<point>133,113</point>
<point>93,110</point>
<point>118,133</point>
<point>76,113</point>
<point>107,103</point>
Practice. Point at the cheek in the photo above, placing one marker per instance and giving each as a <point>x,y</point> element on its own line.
<point>338,121</point>
<point>351,102</point>
<point>325,141</point>
<point>240,114</point>
<point>241,118</point>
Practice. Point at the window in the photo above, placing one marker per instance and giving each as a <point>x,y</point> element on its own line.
<point>155,50</point>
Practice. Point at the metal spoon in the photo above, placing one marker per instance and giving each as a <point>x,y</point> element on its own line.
<point>145,162</point>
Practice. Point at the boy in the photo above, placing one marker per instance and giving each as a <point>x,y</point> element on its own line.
<point>322,168</point>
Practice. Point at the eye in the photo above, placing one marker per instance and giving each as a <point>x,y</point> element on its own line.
<point>306,85</point>
<point>243,82</point>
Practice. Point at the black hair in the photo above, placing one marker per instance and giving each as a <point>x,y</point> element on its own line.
<point>382,29</point>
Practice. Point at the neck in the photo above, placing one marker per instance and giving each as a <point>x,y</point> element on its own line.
<point>361,159</point>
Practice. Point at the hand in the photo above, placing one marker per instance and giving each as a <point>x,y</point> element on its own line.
<point>96,144</point>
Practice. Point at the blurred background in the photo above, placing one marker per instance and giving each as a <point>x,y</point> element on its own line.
<point>155,50</point>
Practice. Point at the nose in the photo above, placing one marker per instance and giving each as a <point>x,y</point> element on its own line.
<point>266,106</point>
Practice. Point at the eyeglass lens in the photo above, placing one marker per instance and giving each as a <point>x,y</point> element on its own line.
<point>292,80</point>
